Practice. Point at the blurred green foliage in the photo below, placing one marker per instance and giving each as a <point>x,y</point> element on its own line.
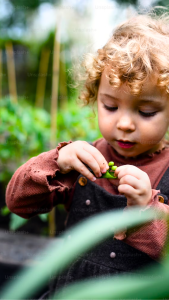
<point>32,4</point>
<point>77,123</point>
<point>25,132</point>
<point>134,2</point>
<point>139,3</point>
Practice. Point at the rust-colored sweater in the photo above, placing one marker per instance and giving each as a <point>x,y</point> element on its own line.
<point>37,186</point>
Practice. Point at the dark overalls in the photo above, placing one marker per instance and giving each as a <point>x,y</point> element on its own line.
<point>112,256</point>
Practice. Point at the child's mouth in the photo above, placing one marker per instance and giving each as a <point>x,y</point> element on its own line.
<point>125,144</point>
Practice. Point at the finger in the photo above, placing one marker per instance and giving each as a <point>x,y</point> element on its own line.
<point>128,170</point>
<point>88,159</point>
<point>82,169</point>
<point>118,170</point>
<point>103,164</point>
<point>127,190</point>
<point>130,180</point>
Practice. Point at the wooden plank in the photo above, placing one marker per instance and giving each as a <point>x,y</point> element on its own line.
<point>1,73</point>
<point>54,103</point>
<point>42,78</point>
<point>20,248</point>
<point>11,72</point>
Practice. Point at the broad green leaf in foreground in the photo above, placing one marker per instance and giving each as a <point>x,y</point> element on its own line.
<point>151,283</point>
<point>85,236</point>
<point>44,217</point>
<point>16,222</point>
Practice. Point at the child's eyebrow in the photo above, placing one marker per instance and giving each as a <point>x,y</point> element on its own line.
<point>150,101</point>
<point>107,95</point>
<point>154,101</point>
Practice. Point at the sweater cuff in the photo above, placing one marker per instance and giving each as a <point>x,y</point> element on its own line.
<point>60,145</point>
<point>57,168</point>
<point>43,168</point>
<point>154,199</point>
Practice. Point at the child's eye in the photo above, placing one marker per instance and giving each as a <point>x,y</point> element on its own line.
<point>141,112</point>
<point>147,114</point>
<point>110,107</point>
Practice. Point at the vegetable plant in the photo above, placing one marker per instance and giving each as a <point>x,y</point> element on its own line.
<point>25,132</point>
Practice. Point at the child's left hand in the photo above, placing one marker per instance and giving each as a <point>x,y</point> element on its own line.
<point>134,184</point>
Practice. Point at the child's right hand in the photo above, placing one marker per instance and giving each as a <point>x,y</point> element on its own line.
<point>74,156</point>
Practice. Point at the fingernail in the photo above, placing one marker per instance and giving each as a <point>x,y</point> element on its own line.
<point>100,174</point>
<point>104,170</point>
<point>94,178</point>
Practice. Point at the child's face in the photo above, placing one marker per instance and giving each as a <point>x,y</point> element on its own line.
<point>120,116</point>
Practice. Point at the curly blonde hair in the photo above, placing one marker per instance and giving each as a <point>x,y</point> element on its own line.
<point>137,49</point>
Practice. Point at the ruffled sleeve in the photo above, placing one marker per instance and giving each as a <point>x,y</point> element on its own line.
<point>37,185</point>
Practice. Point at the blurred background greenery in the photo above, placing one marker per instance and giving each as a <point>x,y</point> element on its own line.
<point>40,43</point>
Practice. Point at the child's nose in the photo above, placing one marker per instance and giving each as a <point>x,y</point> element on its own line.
<point>126,122</point>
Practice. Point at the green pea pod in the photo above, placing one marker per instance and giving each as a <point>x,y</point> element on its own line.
<point>108,175</point>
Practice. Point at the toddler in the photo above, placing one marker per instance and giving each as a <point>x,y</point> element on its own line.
<point>129,80</point>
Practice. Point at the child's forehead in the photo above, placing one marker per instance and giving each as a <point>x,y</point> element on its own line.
<point>149,89</point>
<point>106,76</point>
<point>109,70</point>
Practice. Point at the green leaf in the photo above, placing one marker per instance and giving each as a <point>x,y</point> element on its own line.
<point>150,283</point>
<point>5,211</point>
<point>16,222</point>
<point>44,217</point>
